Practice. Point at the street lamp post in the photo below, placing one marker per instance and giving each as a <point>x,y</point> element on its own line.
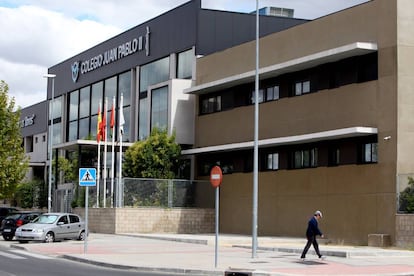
<point>256,142</point>
<point>49,190</point>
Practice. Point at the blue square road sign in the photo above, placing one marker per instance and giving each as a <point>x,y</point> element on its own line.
<point>87,177</point>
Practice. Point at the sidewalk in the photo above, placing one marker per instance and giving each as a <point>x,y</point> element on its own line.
<point>195,255</point>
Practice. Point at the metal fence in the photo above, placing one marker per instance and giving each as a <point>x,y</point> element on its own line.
<point>140,192</point>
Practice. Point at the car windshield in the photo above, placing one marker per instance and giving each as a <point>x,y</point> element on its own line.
<point>46,219</point>
<point>14,216</point>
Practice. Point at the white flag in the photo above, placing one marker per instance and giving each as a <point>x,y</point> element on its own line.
<point>121,116</point>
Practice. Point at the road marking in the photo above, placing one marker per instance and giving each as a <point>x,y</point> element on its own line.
<point>34,255</point>
<point>11,256</point>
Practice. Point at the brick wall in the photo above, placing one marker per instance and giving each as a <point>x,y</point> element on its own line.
<point>149,220</point>
<point>404,234</point>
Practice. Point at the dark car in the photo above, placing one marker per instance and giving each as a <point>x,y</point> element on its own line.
<point>5,211</point>
<point>14,220</point>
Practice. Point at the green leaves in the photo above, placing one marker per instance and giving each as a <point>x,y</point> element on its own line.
<point>13,161</point>
<point>407,197</point>
<point>156,157</point>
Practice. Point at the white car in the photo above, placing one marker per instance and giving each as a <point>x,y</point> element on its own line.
<point>50,227</point>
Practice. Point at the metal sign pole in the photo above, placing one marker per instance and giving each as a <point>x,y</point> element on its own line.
<point>87,177</point>
<point>85,246</point>
<point>217,225</point>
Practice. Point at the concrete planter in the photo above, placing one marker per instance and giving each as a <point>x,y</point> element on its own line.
<point>149,220</point>
<point>404,234</point>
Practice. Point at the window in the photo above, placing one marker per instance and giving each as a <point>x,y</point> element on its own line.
<point>143,119</point>
<point>370,153</point>
<point>153,73</point>
<point>302,87</point>
<point>84,102</point>
<point>272,161</point>
<point>333,158</point>
<point>57,108</point>
<point>97,95</point>
<point>73,116</point>
<point>29,144</point>
<point>211,104</point>
<point>185,64</point>
<point>63,220</point>
<point>73,219</point>
<point>159,108</point>
<point>110,89</point>
<point>124,87</point>
<point>56,114</point>
<point>73,131</point>
<point>272,93</point>
<point>305,158</point>
<point>261,96</point>
<point>73,105</point>
<point>84,128</point>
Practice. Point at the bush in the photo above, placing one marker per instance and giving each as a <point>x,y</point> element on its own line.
<point>407,197</point>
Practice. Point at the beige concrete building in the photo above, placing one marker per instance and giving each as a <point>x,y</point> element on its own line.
<point>336,124</point>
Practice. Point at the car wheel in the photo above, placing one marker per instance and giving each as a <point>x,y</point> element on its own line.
<point>7,237</point>
<point>50,237</point>
<point>82,236</point>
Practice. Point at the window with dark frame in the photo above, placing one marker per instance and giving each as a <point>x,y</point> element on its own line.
<point>272,161</point>
<point>370,153</point>
<point>261,96</point>
<point>211,104</point>
<point>333,158</point>
<point>302,87</point>
<point>306,158</point>
<point>272,93</point>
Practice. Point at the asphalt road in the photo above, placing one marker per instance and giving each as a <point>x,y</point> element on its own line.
<point>17,262</point>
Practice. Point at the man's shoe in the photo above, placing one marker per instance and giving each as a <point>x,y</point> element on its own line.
<point>322,257</point>
<point>302,259</point>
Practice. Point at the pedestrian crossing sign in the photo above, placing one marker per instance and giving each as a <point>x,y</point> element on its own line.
<point>87,177</point>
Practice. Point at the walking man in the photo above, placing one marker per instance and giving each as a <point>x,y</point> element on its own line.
<point>311,232</point>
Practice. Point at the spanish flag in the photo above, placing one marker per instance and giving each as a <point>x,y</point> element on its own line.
<point>103,124</point>
<point>98,125</point>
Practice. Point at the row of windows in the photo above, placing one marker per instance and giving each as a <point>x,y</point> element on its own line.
<point>28,142</point>
<point>326,76</point>
<point>342,152</point>
<point>83,106</point>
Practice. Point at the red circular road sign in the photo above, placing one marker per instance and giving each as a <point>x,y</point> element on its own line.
<point>216,176</point>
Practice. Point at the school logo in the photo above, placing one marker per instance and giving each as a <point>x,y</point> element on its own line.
<point>75,71</point>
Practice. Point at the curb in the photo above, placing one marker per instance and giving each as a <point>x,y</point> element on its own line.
<point>183,271</point>
<point>184,240</point>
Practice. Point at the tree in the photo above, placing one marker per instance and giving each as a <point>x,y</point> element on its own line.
<point>13,161</point>
<point>31,194</point>
<point>407,197</point>
<point>156,157</point>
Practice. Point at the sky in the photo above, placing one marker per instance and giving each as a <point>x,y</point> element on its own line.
<point>38,34</point>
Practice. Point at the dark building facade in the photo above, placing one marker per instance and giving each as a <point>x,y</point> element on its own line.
<point>150,65</point>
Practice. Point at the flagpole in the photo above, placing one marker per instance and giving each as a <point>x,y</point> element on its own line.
<point>98,137</point>
<point>112,126</point>
<point>97,174</point>
<point>121,132</point>
<point>104,120</point>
